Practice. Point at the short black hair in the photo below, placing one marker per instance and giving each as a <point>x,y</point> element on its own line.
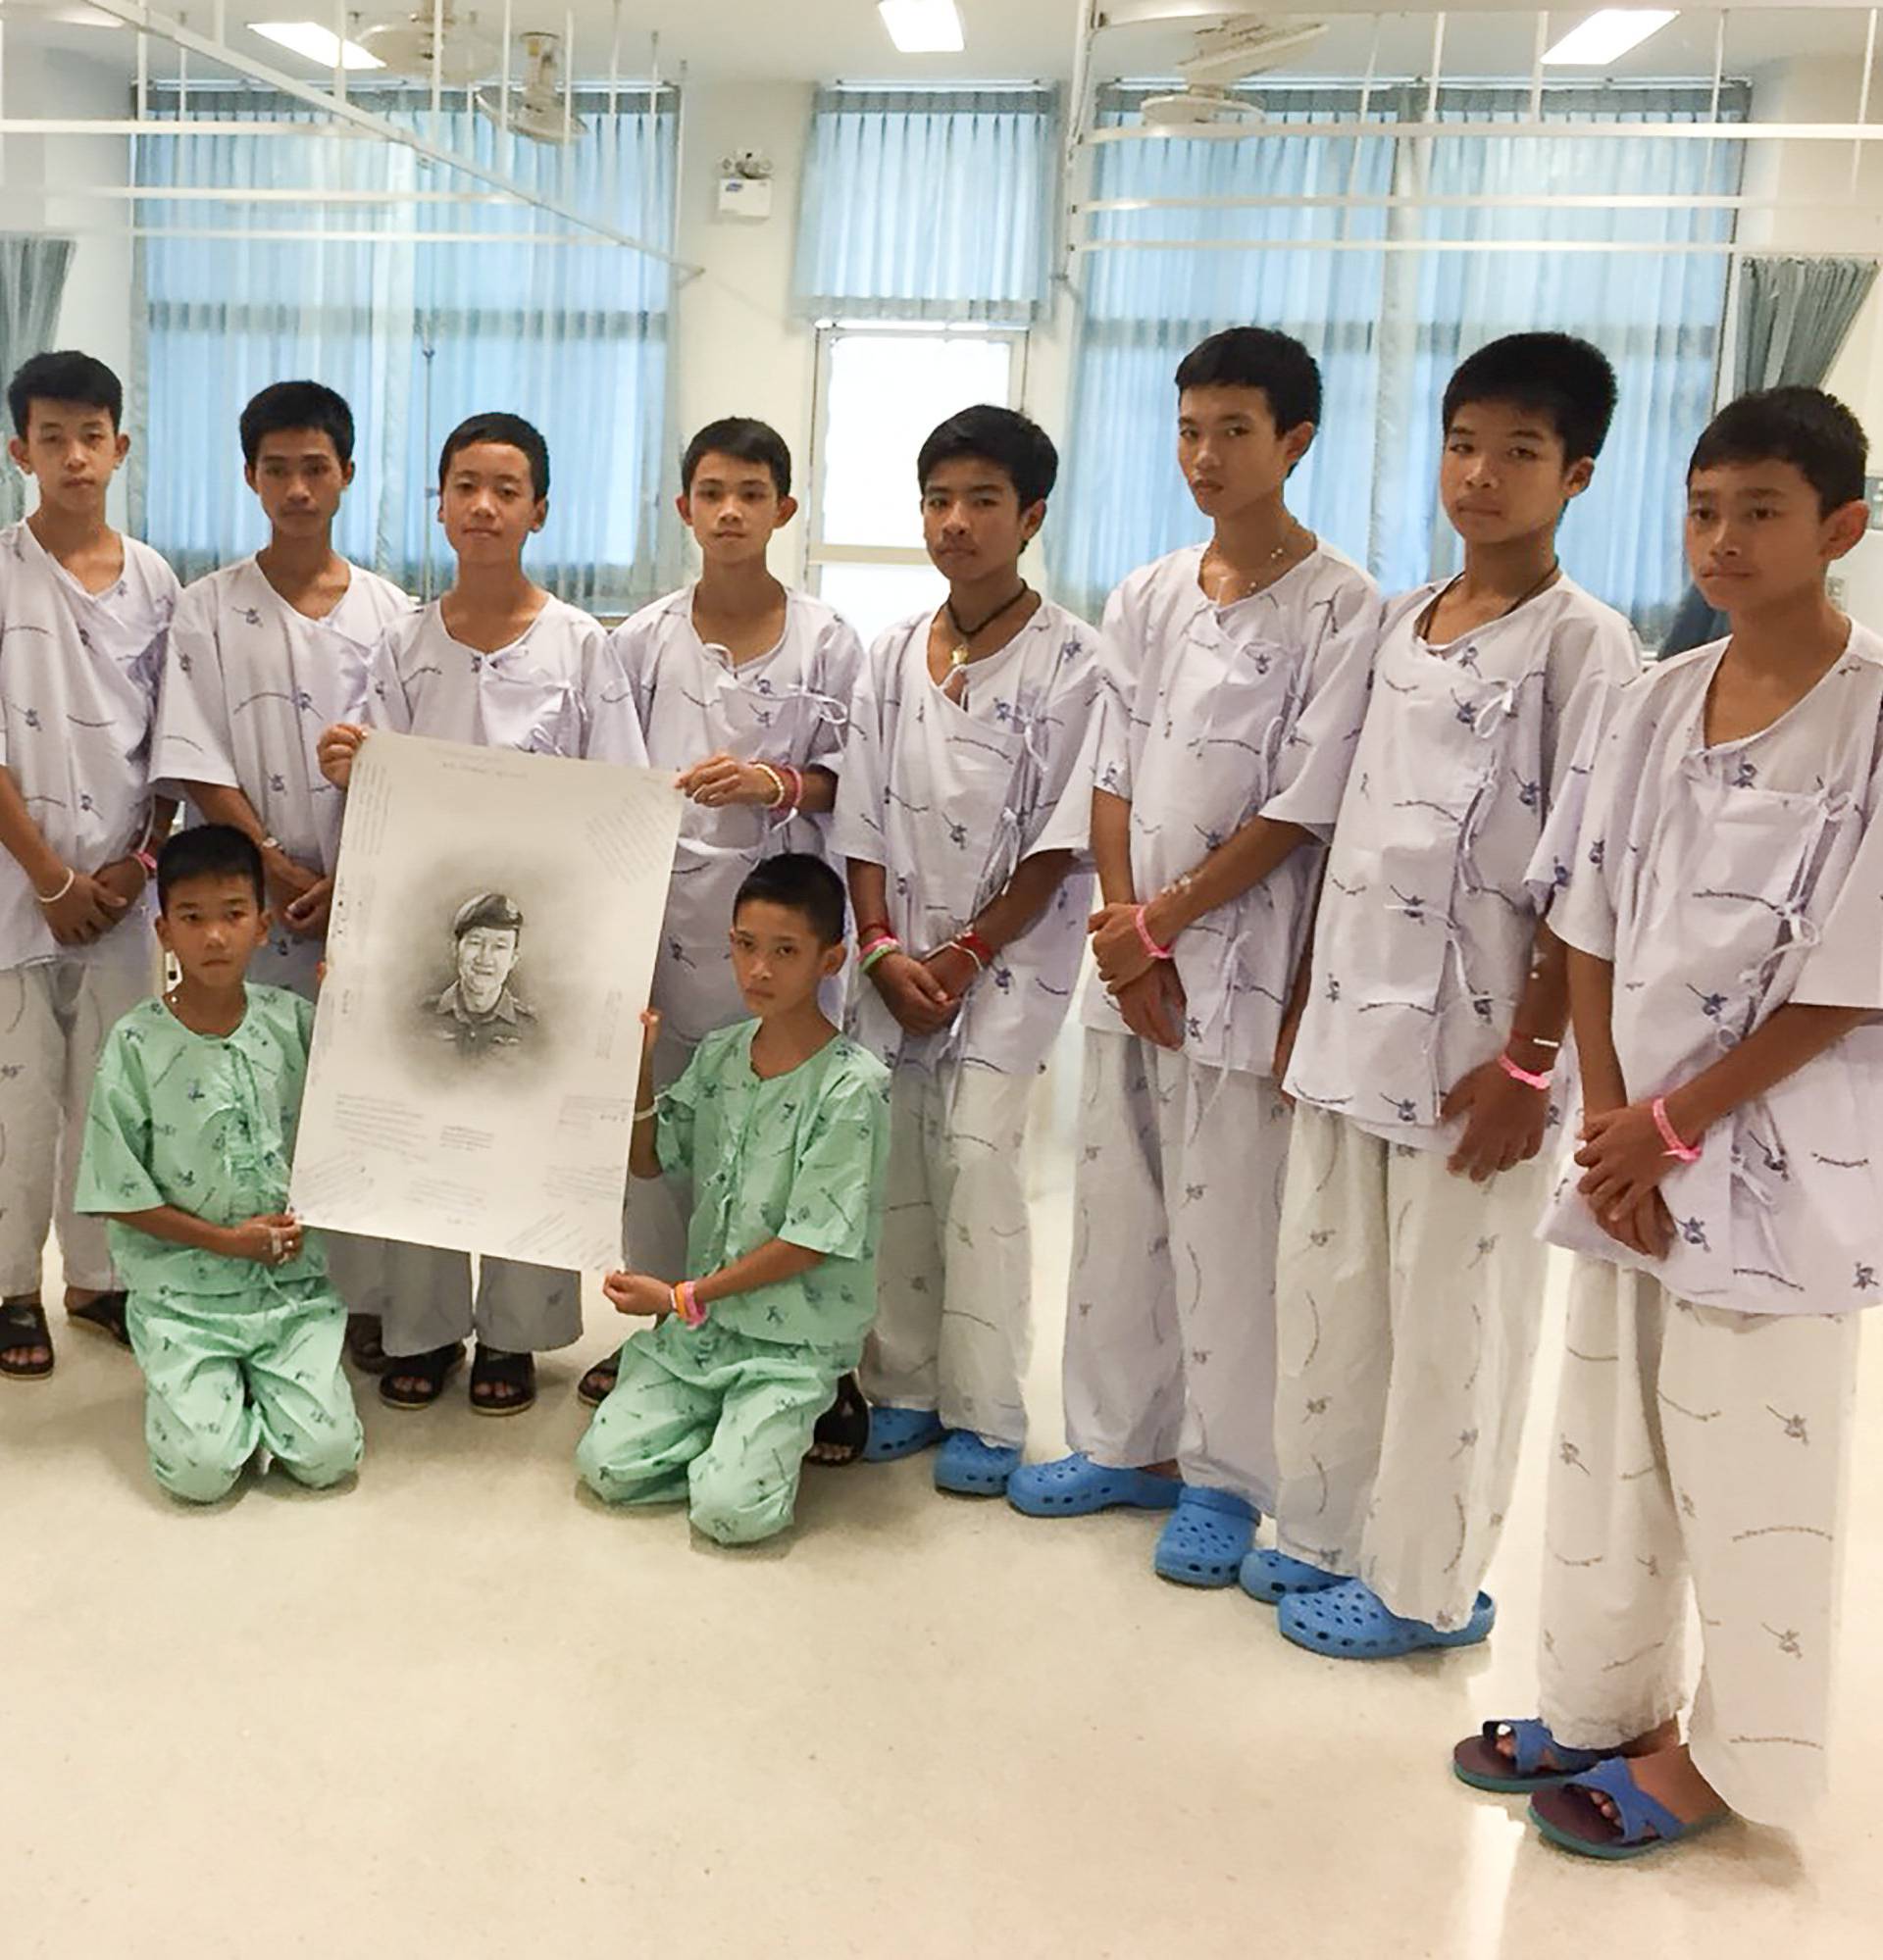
<point>64,376</point>
<point>1257,357</point>
<point>1570,380</point>
<point>1812,431</point>
<point>286,405</point>
<point>1005,437</point>
<point>208,850</point>
<point>746,438</point>
<point>803,883</point>
<point>496,425</point>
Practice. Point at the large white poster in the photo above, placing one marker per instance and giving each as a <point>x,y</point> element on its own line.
<point>478,1038</point>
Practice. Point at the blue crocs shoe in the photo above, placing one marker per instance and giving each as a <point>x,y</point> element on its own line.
<point>1207,1538</point>
<point>1351,1622</point>
<point>971,1467</point>
<point>1074,1486</point>
<point>900,1432</point>
<point>1272,1577</point>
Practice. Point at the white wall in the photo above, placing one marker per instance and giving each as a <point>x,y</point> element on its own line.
<point>1836,214</point>
<point>95,309</point>
<point>740,349</point>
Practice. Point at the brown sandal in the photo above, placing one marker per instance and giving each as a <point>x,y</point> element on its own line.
<point>498,1367</point>
<point>23,1328</point>
<point>431,1371</point>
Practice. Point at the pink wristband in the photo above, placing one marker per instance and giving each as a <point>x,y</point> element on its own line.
<point>1687,1153</point>
<point>1150,945</point>
<point>687,1302</point>
<point>1526,1076</point>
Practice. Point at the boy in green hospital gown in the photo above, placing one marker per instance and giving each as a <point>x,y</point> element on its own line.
<point>782,1124</point>
<point>187,1141</point>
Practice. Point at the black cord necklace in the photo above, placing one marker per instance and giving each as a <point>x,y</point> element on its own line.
<point>958,658</point>
<point>1431,611</point>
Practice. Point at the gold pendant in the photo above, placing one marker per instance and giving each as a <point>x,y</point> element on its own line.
<point>958,658</point>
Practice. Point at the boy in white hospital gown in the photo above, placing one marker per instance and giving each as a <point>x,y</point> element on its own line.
<point>1410,1285</point>
<point>1725,926</point>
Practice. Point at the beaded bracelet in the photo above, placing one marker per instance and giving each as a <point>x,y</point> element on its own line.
<point>778,784</point>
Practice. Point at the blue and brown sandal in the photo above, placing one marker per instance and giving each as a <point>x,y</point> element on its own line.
<point>1570,1816</point>
<point>1535,1759</point>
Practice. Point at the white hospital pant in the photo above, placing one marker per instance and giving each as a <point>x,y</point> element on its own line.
<point>1698,1446</point>
<point>356,1264</point>
<point>54,1017</point>
<point>954,1276</point>
<point>1407,1309</point>
<point>428,1302</point>
<point>1170,1319</point>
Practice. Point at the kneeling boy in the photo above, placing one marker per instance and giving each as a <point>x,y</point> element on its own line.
<point>781,1125</point>
<point>192,1126</point>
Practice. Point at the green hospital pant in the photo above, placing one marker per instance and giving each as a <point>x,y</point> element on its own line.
<point>713,1417</point>
<point>228,1373</point>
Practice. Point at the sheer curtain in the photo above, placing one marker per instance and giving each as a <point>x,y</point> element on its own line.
<point>416,335</point>
<point>927,204</point>
<point>1122,499</point>
<point>33,276</point>
<point>1387,326</point>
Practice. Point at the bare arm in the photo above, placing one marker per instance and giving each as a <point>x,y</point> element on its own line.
<point>643,1148</point>
<point>254,1238</point>
<point>1237,865</point>
<point>84,909</point>
<point>1794,1035</point>
<point>1028,893</point>
<point>1111,847</point>
<point>1592,1008</point>
<point>764,1266</point>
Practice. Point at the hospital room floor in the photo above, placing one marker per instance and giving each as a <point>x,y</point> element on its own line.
<point>461,1710</point>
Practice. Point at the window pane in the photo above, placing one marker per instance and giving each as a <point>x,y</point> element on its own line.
<point>874,596</point>
<point>887,392</point>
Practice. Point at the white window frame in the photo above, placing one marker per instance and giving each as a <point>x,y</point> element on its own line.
<point>819,551</point>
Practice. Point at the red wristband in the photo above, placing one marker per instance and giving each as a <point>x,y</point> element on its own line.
<point>1687,1153</point>
<point>872,929</point>
<point>971,942</point>
<point>1152,947</point>
<point>1527,1076</point>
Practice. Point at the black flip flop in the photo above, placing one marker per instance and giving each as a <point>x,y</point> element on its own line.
<point>845,1426</point>
<point>22,1323</point>
<point>497,1367</point>
<point>366,1343</point>
<point>595,1387</point>
<point>104,1315</point>
<point>431,1369</point>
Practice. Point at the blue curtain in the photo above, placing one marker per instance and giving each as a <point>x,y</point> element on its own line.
<point>929,204</point>
<point>1122,499</point>
<point>416,335</point>
<point>1389,326</point>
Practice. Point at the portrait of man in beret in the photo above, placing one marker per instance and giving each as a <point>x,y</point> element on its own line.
<point>479,1012</point>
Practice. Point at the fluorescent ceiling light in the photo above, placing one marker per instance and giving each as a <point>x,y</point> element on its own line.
<point>923,27</point>
<point>1605,36</point>
<point>314,43</point>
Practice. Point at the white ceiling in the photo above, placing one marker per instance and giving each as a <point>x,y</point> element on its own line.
<point>807,40</point>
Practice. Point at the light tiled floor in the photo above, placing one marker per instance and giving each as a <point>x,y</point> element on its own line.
<point>461,1710</point>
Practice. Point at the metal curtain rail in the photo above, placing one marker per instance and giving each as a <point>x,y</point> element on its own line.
<point>148,22</point>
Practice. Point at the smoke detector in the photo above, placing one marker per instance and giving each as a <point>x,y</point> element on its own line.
<point>538,109</point>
